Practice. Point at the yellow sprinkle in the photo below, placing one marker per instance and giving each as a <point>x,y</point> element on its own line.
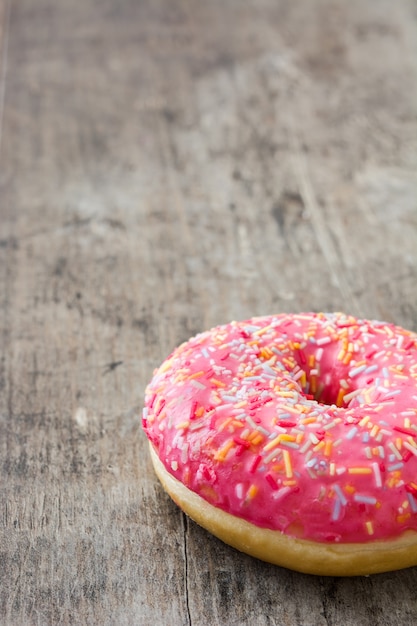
<point>165,366</point>
<point>261,331</point>
<point>273,443</point>
<point>364,420</point>
<point>369,527</point>
<point>287,463</point>
<point>217,383</point>
<point>398,443</point>
<point>182,425</point>
<point>332,468</point>
<point>374,430</point>
<point>286,437</point>
<point>360,470</point>
<point>319,446</point>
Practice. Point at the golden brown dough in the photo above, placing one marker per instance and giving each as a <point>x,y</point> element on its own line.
<point>309,557</point>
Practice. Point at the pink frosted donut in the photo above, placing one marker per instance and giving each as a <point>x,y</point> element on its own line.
<point>294,438</point>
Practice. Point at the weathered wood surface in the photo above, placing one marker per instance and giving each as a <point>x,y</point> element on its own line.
<point>167,166</point>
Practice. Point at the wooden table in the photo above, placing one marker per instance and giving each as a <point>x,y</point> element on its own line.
<point>167,166</point>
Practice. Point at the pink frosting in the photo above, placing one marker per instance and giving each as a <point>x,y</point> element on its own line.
<point>305,424</point>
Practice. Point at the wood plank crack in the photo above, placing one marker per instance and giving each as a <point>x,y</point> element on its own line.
<point>186,568</point>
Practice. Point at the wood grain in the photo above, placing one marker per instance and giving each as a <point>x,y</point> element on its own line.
<point>164,167</point>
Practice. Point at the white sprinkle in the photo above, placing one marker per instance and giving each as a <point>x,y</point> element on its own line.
<point>352,432</point>
<point>349,396</point>
<point>280,493</point>
<point>377,474</point>
<point>395,450</point>
<point>184,453</point>
<point>298,375</point>
<point>319,354</point>
<point>197,384</point>
<point>338,491</point>
<point>323,341</point>
<point>336,510</point>
<point>306,446</point>
<point>413,503</point>
<point>356,371</point>
<point>395,466</point>
<point>365,499</point>
<point>410,447</point>
<point>239,491</point>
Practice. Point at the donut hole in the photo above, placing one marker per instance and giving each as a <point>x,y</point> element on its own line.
<point>325,388</point>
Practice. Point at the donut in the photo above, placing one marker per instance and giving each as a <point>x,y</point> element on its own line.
<point>293,438</point>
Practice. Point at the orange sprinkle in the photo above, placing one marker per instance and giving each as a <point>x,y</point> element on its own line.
<point>328,447</point>
<point>252,491</point>
<point>196,375</point>
<point>340,396</point>
<point>308,420</point>
<point>217,383</point>
<point>369,527</point>
<point>257,439</point>
<point>222,453</point>
<point>360,470</point>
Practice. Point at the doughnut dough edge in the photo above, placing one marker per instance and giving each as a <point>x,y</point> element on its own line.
<point>309,557</point>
